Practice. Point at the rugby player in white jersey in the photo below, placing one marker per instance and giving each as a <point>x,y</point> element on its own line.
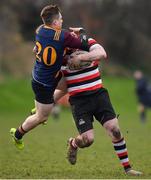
<point>88,99</point>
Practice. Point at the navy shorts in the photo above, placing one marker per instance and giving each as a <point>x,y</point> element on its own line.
<point>43,94</point>
<point>85,108</point>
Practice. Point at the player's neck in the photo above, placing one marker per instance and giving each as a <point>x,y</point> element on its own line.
<point>52,26</point>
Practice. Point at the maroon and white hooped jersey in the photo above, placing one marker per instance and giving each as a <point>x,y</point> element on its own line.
<point>85,79</point>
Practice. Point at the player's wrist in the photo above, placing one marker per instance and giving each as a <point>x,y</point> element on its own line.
<point>82,30</point>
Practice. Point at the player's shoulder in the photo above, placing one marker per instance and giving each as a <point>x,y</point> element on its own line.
<point>39,28</point>
<point>92,41</point>
<point>46,28</point>
<point>42,29</point>
<point>65,32</point>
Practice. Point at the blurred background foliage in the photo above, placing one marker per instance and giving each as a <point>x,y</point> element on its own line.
<point>122,26</point>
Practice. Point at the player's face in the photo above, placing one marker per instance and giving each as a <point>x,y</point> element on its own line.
<point>59,21</point>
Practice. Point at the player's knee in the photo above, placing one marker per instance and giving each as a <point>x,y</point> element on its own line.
<point>88,141</point>
<point>84,142</point>
<point>116,132</point>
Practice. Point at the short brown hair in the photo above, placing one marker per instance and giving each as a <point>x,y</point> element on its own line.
<point>49,13</point>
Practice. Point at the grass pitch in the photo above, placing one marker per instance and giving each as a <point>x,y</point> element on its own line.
<point>44,155</point>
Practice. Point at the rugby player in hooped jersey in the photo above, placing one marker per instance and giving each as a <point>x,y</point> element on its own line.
<point>88,99</point>
<point>51,42</point>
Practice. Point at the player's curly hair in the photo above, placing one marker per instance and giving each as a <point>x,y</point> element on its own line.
<point>49,13</point>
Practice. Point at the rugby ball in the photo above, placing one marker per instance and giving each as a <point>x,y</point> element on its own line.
<point>83,64</point>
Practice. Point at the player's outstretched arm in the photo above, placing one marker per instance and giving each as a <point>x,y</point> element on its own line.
<point>95,52</point>
<point>61,90</point>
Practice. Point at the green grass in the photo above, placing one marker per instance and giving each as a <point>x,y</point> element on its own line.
<point>44,155</point>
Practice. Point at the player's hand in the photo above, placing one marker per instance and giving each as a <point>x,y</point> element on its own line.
<point>74,62</point>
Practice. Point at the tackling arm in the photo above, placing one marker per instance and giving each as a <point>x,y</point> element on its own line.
<point>61,90</point>
<point>96,52</point>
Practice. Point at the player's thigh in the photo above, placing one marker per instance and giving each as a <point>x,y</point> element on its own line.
<point>43,109</point>
<point>83,121</point>
<point>43,94</point>
<point>82,116</point>
<point>104,109</point>
<point>62,85</point>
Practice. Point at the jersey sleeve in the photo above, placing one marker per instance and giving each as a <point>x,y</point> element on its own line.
<point>73,42</point>
<point>92,42</point>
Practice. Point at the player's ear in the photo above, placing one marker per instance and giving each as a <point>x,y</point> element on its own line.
<point>55,22</point>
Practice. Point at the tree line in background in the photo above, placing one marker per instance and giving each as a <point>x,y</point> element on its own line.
<point>122,26</point>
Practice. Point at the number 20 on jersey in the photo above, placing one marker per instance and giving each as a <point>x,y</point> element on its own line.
<point>48,56</point>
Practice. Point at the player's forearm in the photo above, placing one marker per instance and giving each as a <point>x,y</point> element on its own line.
<point>58,94</point>
<point>97,53</point>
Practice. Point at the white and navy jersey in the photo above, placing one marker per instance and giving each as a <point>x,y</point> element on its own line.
<point>86,80</point>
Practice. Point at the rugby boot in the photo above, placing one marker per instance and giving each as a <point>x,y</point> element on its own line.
<point>18,142</point>
<point>71,152</point>
<point>33,111</point>
<point>132,172</point>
